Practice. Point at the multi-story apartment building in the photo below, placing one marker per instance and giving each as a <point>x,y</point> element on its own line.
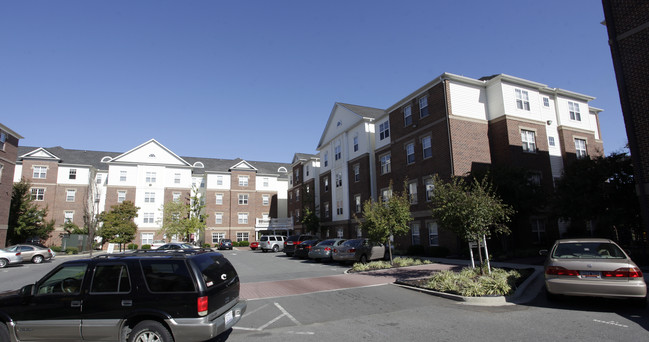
<point>303,190</point>
<point>240,197</point>
<point>451,126</point>
<point>8,151</point>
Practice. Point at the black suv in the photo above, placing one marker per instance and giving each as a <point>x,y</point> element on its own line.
<point>292,241</point>
<point>184,295</point>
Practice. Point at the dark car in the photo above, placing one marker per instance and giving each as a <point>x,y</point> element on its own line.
<point>147,295</point>
<point>225,244</point>
<point>302,250</point>
<point>294,240</point>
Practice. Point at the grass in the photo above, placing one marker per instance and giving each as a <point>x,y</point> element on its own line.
<point>471,283</point>
<point>381,265</point>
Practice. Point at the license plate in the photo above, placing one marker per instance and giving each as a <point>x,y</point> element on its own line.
<point>229,316</point>
<point>591,274</point>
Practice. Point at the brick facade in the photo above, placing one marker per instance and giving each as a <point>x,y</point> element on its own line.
<point>8,154</point>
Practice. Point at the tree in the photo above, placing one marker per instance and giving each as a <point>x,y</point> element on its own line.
<point>117,224</point>
<point>26,219</point>
<point>470,210</point>
<point>71,228</point>
<point>183,219</point>
<point>386,219</point>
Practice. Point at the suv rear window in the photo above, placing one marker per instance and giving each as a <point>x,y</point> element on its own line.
<point>167,276</point>
<point>213,268</point>
<point>264,238</point>
<point>110,279</point>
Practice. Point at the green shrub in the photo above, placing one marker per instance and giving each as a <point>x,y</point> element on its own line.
<point>381,264</point>
<point>146,246</point>
<point>235,244</point>
<point>244,243</point>
<point>72,250</point>
<point>470,282</point>
<point>131,246</point>
<point>207,245</point>
<point>56,249</point>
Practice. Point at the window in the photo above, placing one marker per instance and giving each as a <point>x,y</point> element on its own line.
<point>40,172</point>
<point>38,194</point>
<point>339,207</point>
<point>121,196</point>
<point>3,140</point>
<point>297,195</point>
<point>357,173</point>
<point>308,171</point>
<point>150,177</point>
<point>243,199</point>
<point>528,141</point>
<point>433,233</point>
<point>122,176</point>
<point>70,195</point>
<point>580,148</point>
<point>534,178</point>
<point>339,180</point>
<point>384,130</point>
<point>219,198</point>
<point>546,102</point>
<point>176,178</point>
<point>339,233</point>
<point>147,218</point>
<point>326,210</point>
<point>427,148</point>
<point>430,189</point>
<point>573,107</point>
<point>386,194</point>
<point>242,236</point>
<point>385,164</point>
<point>147,238</point>
<point>326,184</point>
<point>423,107</point>
<point>167,275</point>
<point>149,197</point>
<point>98,179</point>
<point>297,175</point>
<point>217,237</point>
<point>356,143</point>
<point>73,273</point>
<point>243,218</point>
<point>416,237</point>
<point>113,278</point>
<point>265,182</point>
<point>243,180</point>
<point>410,153</point>
<point>1,168</point>
<point>218,218</point>
<point>265,199</point>
<point>358,204</point>
<point>72,174</point>
<point>175,196</point>
<point>551,141</point>
<point>68,216</point>
<point>326,159</point>
<point>522,99</point>
<point>407,116</point>
<point>337,152</point>
<point>412,192</point>
<point>538,230</point>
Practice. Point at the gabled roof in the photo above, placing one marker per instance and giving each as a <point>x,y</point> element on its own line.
<point>362,113</point>
<point>10,131</point>
<point>41,154</point>
<point>303,157</point>
<point>153,148</point>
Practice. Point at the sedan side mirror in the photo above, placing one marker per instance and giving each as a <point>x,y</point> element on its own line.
<point>543,252</point>
<point>27,290</point>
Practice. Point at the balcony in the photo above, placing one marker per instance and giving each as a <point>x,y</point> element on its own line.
<point>275,223</point>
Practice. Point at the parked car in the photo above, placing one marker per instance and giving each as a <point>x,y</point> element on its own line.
<point>175,245</point>
<point>294,240</point>
<point>324,249</point>
<point>273,243</point>
<point>593,267</point>
<point>117,297</point>
<point>254,245</point>
<point>8,258</point>
<point>225,244</point>
<point>302,250</point>
<point>157,243</point>
<point>31,253</point>
<point>359,250</point>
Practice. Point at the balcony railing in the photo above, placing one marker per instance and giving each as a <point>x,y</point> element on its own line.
<point>275,223</point>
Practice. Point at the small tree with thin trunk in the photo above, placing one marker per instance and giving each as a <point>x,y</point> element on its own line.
<point>387,218</point>
<point>470,210</point>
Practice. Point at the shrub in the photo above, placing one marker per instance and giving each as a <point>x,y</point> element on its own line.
<point>56,249</point>
<point>146,246</point>
<point>207,245</point>
<point>471,283</point>
<point>381,265</point>
<point>131,246</point>
<point>244,243</point>
<point>235,244</point>
<point>72,250</point>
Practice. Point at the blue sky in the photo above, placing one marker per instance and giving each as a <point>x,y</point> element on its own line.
<point>258,79</point>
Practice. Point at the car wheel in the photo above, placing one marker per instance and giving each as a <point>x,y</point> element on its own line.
<point>37,259</point>
<point>150,331</point>
<point>4,332</point>
<point>363,259</point>
<point>3,263</point>
<point>275,249</point>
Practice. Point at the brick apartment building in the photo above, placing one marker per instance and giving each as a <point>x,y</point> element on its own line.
<point>241,197</point>
<point>8,151</point>
<point>451,126</point>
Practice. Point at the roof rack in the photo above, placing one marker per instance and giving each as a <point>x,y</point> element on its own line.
<point>166,252</point>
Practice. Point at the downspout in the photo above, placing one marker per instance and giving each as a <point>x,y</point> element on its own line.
<point>448,128</point>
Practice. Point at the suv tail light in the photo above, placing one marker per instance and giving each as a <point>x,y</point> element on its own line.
<point>327,248</point>
<point>560,271</point>
<point>625,272</point>
<point>351,250</point>
<point>202,306</point>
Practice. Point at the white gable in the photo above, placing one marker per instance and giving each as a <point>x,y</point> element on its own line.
<point>40,153</point>
<point>151,152</point>
<point>341,119</point>
<point>243,166</point>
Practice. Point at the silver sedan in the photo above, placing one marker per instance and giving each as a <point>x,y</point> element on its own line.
<point>359,250</point>
<point>7,258</point>
<point>324,249</point>
<point>593,267</point>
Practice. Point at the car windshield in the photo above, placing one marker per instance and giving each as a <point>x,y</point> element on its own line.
<point>588,250</point>
<point>352,243</point>
<point>327,243</point>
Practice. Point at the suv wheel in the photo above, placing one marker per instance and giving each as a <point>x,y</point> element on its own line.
<point>37,259</point>
<point>275,248</point>
<point>150,331</point>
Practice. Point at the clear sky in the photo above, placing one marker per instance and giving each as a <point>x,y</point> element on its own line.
<point>258,79</point>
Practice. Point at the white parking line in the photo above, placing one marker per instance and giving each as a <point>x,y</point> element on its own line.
<point>284,314</point>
